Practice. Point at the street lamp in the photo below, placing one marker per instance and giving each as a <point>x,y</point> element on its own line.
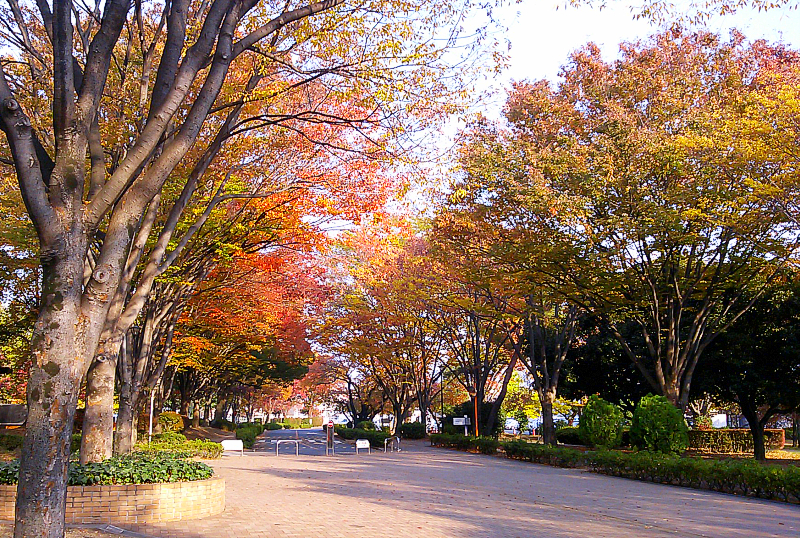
<point>474,395</point>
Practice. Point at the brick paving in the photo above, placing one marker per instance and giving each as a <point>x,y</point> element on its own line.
<point>439,493</point>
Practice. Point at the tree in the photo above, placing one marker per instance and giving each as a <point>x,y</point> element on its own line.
<point>87,211</point>
<point>756,363</point>
<point>654,220</point>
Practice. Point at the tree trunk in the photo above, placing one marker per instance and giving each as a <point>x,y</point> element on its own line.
<point>757,430</point>
<point>125,436</point>
<point>196,416</point>
<point>185,405</point>
<point>98,422</point>
<point>548,425</point>
<point>498,403</point>
<point>219,410</point>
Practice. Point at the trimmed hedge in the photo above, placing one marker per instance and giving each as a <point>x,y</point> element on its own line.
<point>248,433</point>
<point>375,438</point>
<point>412,430</point>
<point>748,478</point>
<point>569,435</point>
<point>273,426</point>
<point>136,468</point>
<point>731,441</point>
<point>484,445</point>
<point>177,445</point>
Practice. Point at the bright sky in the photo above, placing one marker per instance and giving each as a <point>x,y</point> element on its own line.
<point>542,34</point>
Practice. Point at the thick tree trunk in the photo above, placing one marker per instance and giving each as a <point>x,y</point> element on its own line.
<point>498,403</point>
<point>185,405</point>
<point>125,436</point>
<point>548,425</point>
<point>98,422</point>
<point>757,430</point>
<point>219,410</point>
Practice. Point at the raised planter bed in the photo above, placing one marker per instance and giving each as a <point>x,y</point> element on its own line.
<point>134,503</point>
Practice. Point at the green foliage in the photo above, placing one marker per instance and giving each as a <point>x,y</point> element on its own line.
<point>366,425</point>
<point>225,425</point>
<point>569,435</point>
<point>10,441</point>
<point>545,454</point>
<point>484,445</point>
<point>136,468</point>
<point>248,434</point>
<point>177,445</point>
<point>733,441</point>
<point>376,438</point>
<point>301,422</point>
<point>601,423</point>
<point>658,426</point>
<point>412,430</point>
<point>171,422</point>
<point>272,426</point>
<point>75,443</point>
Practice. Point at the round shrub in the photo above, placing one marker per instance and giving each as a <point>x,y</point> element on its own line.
<point>658,426</point>
<point>601,424</point>
<point>169,437</point>
<point>171,422</point>
<point>412,430</point>
<point>569,435</point>
<point>366,425</point>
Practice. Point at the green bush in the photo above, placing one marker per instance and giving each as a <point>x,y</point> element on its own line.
<point>272,426</point>
<point>177,445</point>
<point>733,441</point>
<point>248,434</point>
<point>170,422</point>
<point>601,423</point>
<point>366,425</point>
<point>569,435</point>
<point>376,439</point>
<point>10,441</point>
<point>75,443</point>
<point>224,425</point>
<point>484,445</point>
<point>658,426</point>
<point>136,468</point>
<point>544,454</point>
<point>412,430</point>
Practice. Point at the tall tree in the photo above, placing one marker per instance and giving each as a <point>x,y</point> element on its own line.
<point>88,212</point>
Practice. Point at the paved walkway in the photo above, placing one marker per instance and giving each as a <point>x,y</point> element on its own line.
<point>439,493</point>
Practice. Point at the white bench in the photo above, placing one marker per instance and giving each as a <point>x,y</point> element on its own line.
<point>233,444</point>
<point>363,443</point>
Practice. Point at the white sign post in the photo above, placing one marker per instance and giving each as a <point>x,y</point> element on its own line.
<point>462,421</point>
<point>363,443</point>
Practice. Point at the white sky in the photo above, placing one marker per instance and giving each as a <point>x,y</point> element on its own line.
<point>543,33</point>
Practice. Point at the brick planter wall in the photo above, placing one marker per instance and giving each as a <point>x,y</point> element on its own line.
<point>134,503</point>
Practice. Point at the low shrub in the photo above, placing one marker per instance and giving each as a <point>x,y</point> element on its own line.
<point>366,425</point>
<point>224,425</point>
<point>287,426</point>
<point>376,439</point>
<point>412,430</point>
<point>601,423</point>
<point>569,435</point>
<point>658,426</point>
<point>544,454</point>
<point>484,445</point>
<point>272,426</point>
<point>248,434</point>
<point>136,468</point>
<point>732,441</point>
<point>171,422</point>
<point>75,443</point>
<point>10,441</point>
<point>176,444</point>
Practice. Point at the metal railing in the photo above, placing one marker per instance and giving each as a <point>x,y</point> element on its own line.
<point>296,445</point>
<point>393,444</point>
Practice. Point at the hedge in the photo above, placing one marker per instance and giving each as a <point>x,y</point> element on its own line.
<point>176,444</point>
<point>171,422</point>
<point>412,430</point>
<point>569,435</point>
<point>727,476</point>
<point>728,440</point>
<point>484,445</point>
<point>273,426</point>
<point>136,468</point>
<point>376,438</point>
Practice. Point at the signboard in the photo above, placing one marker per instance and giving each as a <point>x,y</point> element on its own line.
<point>459,421</point>
<point>362,443</point>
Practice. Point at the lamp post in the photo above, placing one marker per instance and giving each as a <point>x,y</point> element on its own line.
<point>474,395</point>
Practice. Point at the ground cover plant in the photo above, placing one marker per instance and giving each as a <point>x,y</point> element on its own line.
<point>135,468</point>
